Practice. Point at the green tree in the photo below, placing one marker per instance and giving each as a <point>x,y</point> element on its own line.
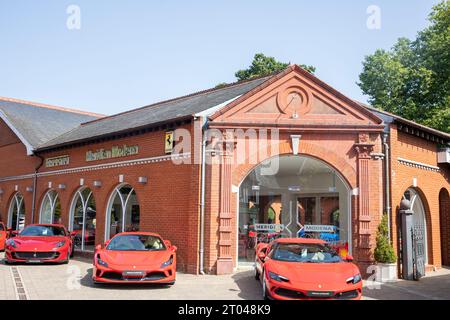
<point>412,79</point>
<point>263,65</point>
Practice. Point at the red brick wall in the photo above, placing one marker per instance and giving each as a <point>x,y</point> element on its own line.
<point>429,184</point>
<point>169,201</point>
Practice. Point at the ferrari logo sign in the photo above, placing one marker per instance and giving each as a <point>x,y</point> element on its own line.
<point>169,142</point>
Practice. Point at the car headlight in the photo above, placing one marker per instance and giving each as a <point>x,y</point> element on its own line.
<point>101,262</point>
<point>168,262</point>
<point>354,279</point>
<point>60,244</point>
<point>11,243</point>
<point>277,277</point>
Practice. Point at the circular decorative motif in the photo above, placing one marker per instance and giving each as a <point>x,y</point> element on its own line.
<point>294,101</point>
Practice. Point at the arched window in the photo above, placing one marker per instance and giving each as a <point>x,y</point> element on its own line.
<point>16,215</point>
<point>123,211</point>
<point>51,208</point>
<point>83,219</point>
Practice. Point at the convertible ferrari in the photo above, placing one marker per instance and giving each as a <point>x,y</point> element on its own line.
<point>3,236</point>
<point>39,243</point>
<point>303,269</point>
<point>135,257</point>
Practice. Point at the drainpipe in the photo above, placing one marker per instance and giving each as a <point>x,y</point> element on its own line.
<point>202,199</point>
<point>387,182</point>
<point>36,170</point>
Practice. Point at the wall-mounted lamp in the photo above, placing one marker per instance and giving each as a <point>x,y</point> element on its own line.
<point>29,189</point>
<point>62,186</point>
<point>142,180</point>
<point>97,183</point>
<point>2,192</point>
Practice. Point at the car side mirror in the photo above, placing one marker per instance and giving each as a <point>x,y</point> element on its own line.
<point>73,234</point>
<point>14,233</point>
<point>173,248</point>
<point>98,247</point>
<point>167,243</point>
<point>349,258</point>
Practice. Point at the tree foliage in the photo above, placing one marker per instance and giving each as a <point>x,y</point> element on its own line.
<point>263,65</point>
<point>384,252</point>
<point>412,79</point>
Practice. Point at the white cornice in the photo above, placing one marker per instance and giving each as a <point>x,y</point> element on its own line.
<point>416,164</point>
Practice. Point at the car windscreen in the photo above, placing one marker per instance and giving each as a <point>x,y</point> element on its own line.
<point>136,243</point>
<point>42,231</point>
<point>308,253</point>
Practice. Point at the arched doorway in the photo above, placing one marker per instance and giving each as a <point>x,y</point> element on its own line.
<point>50,208</point>
<point>83,220</point>
<point>123,212</point>
<point>414,235</point>
<point>16,214</point>
<point>444,214</point>
<point>308,197</point>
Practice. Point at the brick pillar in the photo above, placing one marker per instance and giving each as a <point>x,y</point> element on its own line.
<point>363,149</point>
<point>225,259</point>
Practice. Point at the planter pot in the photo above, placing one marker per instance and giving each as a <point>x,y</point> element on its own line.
<point>387,272</point>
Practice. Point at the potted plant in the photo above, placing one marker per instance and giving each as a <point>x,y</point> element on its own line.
<point>384,253</point>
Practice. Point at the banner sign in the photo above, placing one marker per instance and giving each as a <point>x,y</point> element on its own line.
<point>115,152</point>
<point>57,161</point>
<point>168,142</point>
<point>319,228</point>
<point>269,227</point>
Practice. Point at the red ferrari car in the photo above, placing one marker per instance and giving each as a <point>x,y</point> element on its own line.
<point>3,236</point>
<point>135,257</point>
<point>302,269</point>
<point>39,243</point>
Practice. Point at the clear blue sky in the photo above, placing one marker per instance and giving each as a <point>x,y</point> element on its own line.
<point>132,53</point>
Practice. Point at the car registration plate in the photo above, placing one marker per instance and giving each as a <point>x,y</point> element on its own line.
<point>320,294</point>
<point>133,274</point>
<point>34,261</point>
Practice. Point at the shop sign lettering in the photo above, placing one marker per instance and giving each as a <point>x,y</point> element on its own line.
<point>114,152</point>
<point>319,228</point>
<point>57,161</point>
<point>269,227</point>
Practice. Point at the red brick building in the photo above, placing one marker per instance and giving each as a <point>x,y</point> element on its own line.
<point>283,154</point>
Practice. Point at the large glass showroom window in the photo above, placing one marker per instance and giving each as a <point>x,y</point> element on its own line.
<point>293,196</point>
<point>16,215</point>
<point>123,211</point>
<point>51,208</point>
<point>83,219</point>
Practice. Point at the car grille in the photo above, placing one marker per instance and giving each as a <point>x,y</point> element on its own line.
<point>36,255</point>
<point>347,295</point>
<point>291,294</point>
<point>152,276</point>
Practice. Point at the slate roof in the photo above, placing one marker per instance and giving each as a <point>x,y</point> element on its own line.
<point>39,123</point>
<point>178,108</point>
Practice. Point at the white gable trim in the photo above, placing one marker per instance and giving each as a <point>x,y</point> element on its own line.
<point>29,147</point>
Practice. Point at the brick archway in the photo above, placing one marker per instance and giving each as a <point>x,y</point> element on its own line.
<point>345,170</point>
<point>444,214</point>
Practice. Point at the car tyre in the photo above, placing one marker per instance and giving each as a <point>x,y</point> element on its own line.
<point>72,252</point>
<point>171,283</point>
<point>256,274</point>
<point>265,295</point>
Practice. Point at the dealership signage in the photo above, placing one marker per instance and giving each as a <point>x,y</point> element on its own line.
<point>57,161</point>
<point>269,227</point>
<point>168,142</point>
<point>114,152</point>
<point>319,228</point>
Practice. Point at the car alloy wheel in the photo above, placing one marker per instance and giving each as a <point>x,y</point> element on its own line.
<point>265,296</point>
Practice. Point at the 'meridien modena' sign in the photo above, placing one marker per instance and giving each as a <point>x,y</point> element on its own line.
<point>115,152</point>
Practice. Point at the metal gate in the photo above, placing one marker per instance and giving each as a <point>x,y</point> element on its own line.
<point>418,242</point>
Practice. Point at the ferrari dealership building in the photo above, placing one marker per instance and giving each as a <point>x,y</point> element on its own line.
<point>219,170</point>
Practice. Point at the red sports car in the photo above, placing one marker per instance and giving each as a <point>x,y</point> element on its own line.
<point>39,243</point>
<point>135,257</point>
<point>3,236</point>
<point>302,269</point>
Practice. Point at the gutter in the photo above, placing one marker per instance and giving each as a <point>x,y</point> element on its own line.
<point>35,177</point>
<point>202,199</point>
<point>387,182</point>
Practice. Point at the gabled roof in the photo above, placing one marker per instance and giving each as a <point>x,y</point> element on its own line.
<point>35,124</point>
<point>174,109</point>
